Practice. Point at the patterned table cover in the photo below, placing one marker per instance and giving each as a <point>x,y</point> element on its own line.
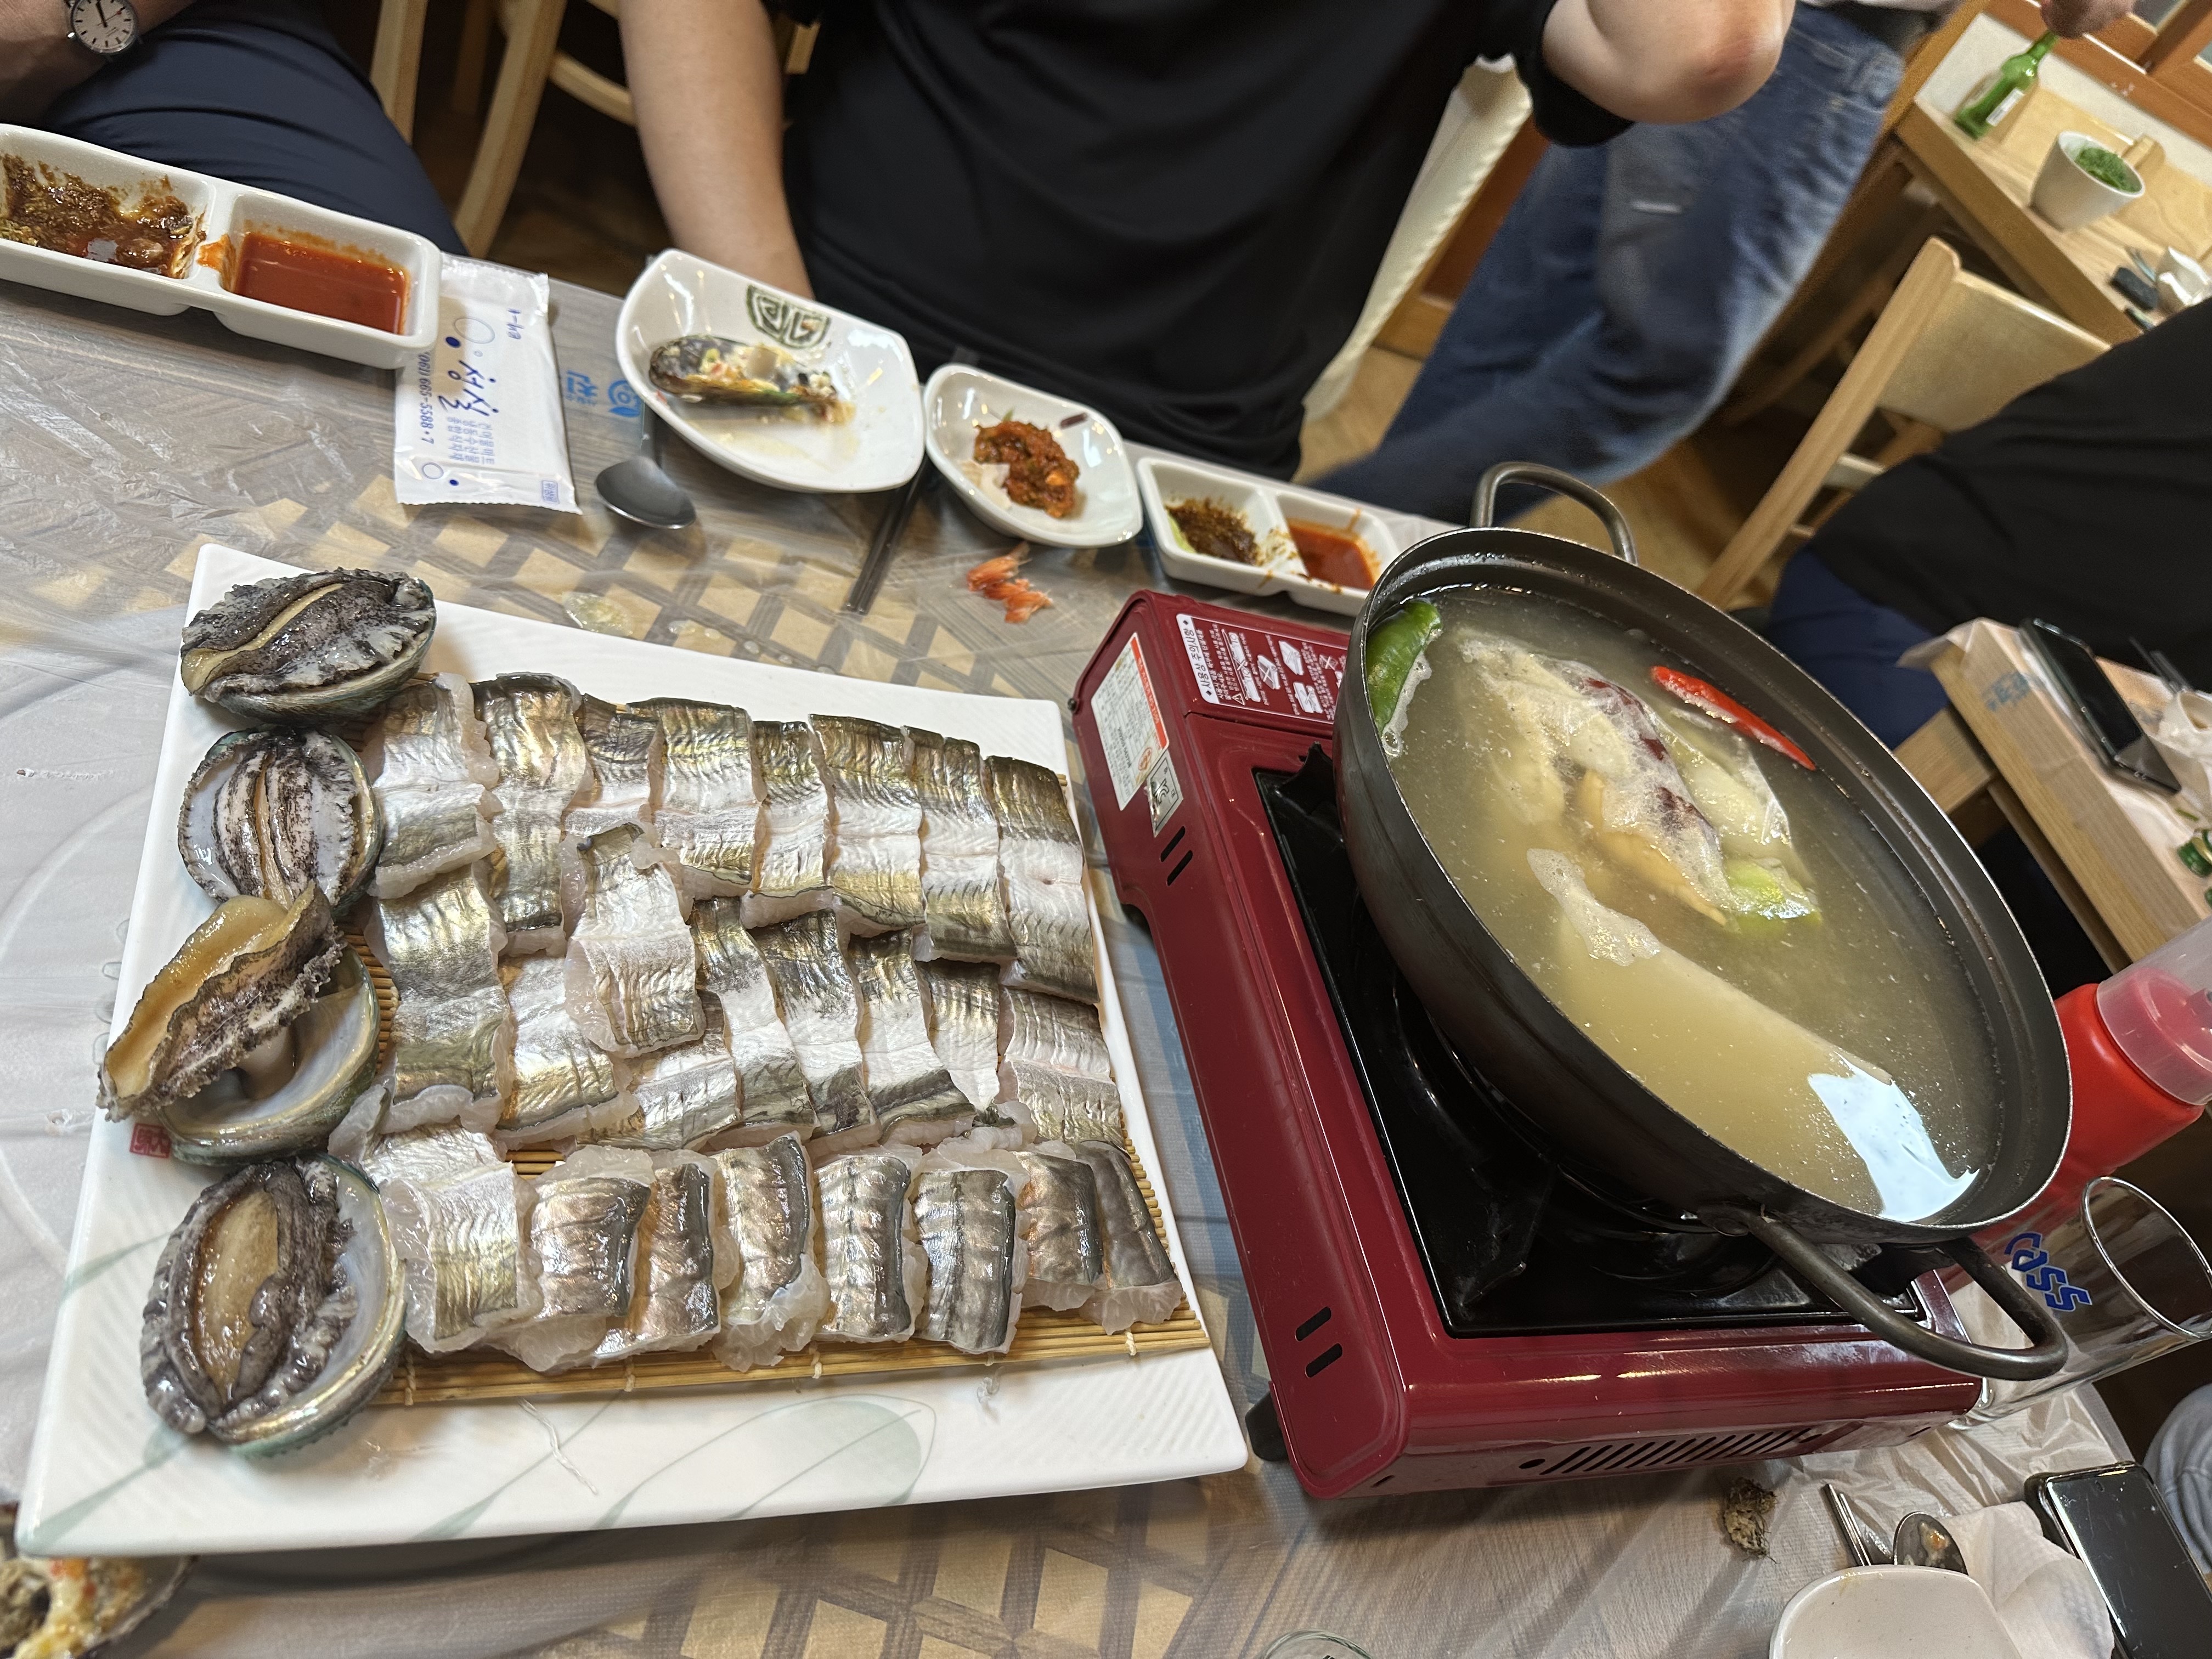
<point>125,442</point>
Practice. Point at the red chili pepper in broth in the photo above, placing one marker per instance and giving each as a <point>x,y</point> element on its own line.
<point>1711,700</point>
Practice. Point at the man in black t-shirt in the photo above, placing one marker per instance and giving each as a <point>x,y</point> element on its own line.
<point>1171,210</point>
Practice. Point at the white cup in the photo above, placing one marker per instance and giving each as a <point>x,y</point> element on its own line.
<point>2069,198</point>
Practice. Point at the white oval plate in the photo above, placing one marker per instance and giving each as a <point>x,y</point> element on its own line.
<point>1891,1613</point>
<point>958,399</point>
<point>879,448</point>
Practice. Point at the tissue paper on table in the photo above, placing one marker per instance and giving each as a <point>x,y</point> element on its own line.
<point>477,417</point>
<point>2183,735</point>
<point>2046,1599</point>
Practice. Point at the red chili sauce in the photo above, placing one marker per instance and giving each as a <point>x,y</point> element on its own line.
<point>1330,554</point>
<point>326,282</point>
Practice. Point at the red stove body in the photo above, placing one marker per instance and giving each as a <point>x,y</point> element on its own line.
<point>1180,708</point>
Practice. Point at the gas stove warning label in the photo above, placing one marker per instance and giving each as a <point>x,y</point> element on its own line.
<point>1130,729</point>
<point>1242,666</point>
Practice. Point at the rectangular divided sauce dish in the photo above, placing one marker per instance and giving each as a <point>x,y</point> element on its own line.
<point>205,224</point>
<point>1270,511</point>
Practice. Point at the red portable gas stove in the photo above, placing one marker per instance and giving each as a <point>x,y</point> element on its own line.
<point>1443,1302</point>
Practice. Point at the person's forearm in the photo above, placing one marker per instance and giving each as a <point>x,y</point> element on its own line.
<point>2072,18</point>
<point>38,60</point>
<point>709,92</point>
<point>1666,60</point>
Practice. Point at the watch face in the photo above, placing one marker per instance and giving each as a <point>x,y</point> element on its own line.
<point>106,26</point>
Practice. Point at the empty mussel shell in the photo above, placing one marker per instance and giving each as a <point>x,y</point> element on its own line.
<point>289,1095</point>
<point>270,812</point>
<point>706,368</point>
<point>308,647</point>
<point>275,1311</point>
<point>248,971</point>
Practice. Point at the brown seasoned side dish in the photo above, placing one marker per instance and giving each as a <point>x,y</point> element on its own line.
<point>1038,471</point>
<point>1217,530</point>
<point>60,212</point>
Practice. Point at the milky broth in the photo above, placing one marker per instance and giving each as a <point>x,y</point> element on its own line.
<point>1845,1051</point>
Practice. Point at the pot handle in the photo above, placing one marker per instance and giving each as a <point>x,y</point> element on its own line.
<point>1562,484</point>
<point>1813,1265</point>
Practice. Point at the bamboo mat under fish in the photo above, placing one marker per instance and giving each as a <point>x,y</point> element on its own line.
<point>1043,1336</point>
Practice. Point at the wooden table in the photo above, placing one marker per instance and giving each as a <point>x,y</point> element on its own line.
<point>2007,753</point>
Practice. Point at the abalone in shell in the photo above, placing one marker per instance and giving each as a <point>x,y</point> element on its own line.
<point>270,812</point>
<point>706,368</point>
<point>275,1310</point>
<point>248,971</point>
<point>313,646</point>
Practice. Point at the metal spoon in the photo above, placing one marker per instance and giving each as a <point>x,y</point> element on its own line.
<point>640,491</point>
<point>1924,1542</point>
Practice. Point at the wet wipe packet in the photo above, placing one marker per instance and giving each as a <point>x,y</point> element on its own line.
<point>477,418</point>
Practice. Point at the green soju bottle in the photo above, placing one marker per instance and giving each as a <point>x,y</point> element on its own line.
<point>1994,98</point>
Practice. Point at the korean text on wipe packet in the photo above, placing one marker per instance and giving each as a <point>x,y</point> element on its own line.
<point>477,418</point>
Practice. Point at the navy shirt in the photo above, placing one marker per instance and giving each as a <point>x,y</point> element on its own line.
<point>1169,210</point>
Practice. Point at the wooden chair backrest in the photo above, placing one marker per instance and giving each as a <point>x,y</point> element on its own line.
<point>1948,350</point>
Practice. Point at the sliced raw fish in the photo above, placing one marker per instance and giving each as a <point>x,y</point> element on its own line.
<point>788,870</point>
<point>963,1025</point>
<point>1056,1065</point>
<point>430,771</point>
<point>822,1012</point>
<point>874,857</point>
<point>1139,1287</point>
<point>682,1096</point>
<point>559,1072</point>
<point>622,746</point>
<point>582,1260</point>
<point>966,1218</point>
<point>774,1303</point>
<point>457,1215</point>
<point>434,1153</point>
<point>452,1036</point>
<point>530,725</point>
<point>771,1084</point>
<point>633,975</point>
<point>871,1257</point>
<point>1040,865</point>
<point>1060,1223</point>
<point>964,912</point>
<point>675,1305</point>
<point>708,817</point>
<point>914,1097</point>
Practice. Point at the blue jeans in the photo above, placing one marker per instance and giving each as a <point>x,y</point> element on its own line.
<point>1850,645</point>
<point>1629,282</point>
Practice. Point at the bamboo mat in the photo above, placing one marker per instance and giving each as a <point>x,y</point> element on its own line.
<point>1043,1337</point>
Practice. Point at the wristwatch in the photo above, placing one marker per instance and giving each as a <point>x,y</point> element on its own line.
<point>109,27</point>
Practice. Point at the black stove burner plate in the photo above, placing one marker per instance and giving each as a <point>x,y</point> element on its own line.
<point>1516,1244</point>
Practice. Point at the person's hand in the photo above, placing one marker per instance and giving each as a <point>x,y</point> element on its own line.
<point>2073,18</point>
<point>1666,60</point>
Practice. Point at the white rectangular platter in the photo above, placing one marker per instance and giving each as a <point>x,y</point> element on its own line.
<point>108,1478</point>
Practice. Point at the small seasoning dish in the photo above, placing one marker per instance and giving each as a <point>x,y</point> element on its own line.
<point>2070,195</point>
<point>960,401</point>
<point>1321,552</point>
<point>219,233</point>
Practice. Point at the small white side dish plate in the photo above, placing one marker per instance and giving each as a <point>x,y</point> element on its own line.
<point>1891,1613</point>
<point>958,399</point>
<point>109,1478</point>
<point>878,448</point>
<point>226,212</point>
<point>1266,505</point>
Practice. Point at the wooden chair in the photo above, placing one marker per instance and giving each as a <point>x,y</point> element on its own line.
<point>534,57</point>
<point>1948,350</point>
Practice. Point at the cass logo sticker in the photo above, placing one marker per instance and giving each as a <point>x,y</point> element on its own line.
<point>778,319</point>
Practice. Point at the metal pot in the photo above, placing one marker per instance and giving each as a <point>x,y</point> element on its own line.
<point>1593,1107</point>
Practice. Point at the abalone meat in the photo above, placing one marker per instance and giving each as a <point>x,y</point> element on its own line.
<point>270,813</point>
<point>248,971</point>
<point>291,1093</point>
<point>706,368</point>
<point>308,647</point>
<point>275,1310</point>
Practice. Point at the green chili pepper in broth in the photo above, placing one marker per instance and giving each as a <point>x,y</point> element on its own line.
<point>1393,649</point>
